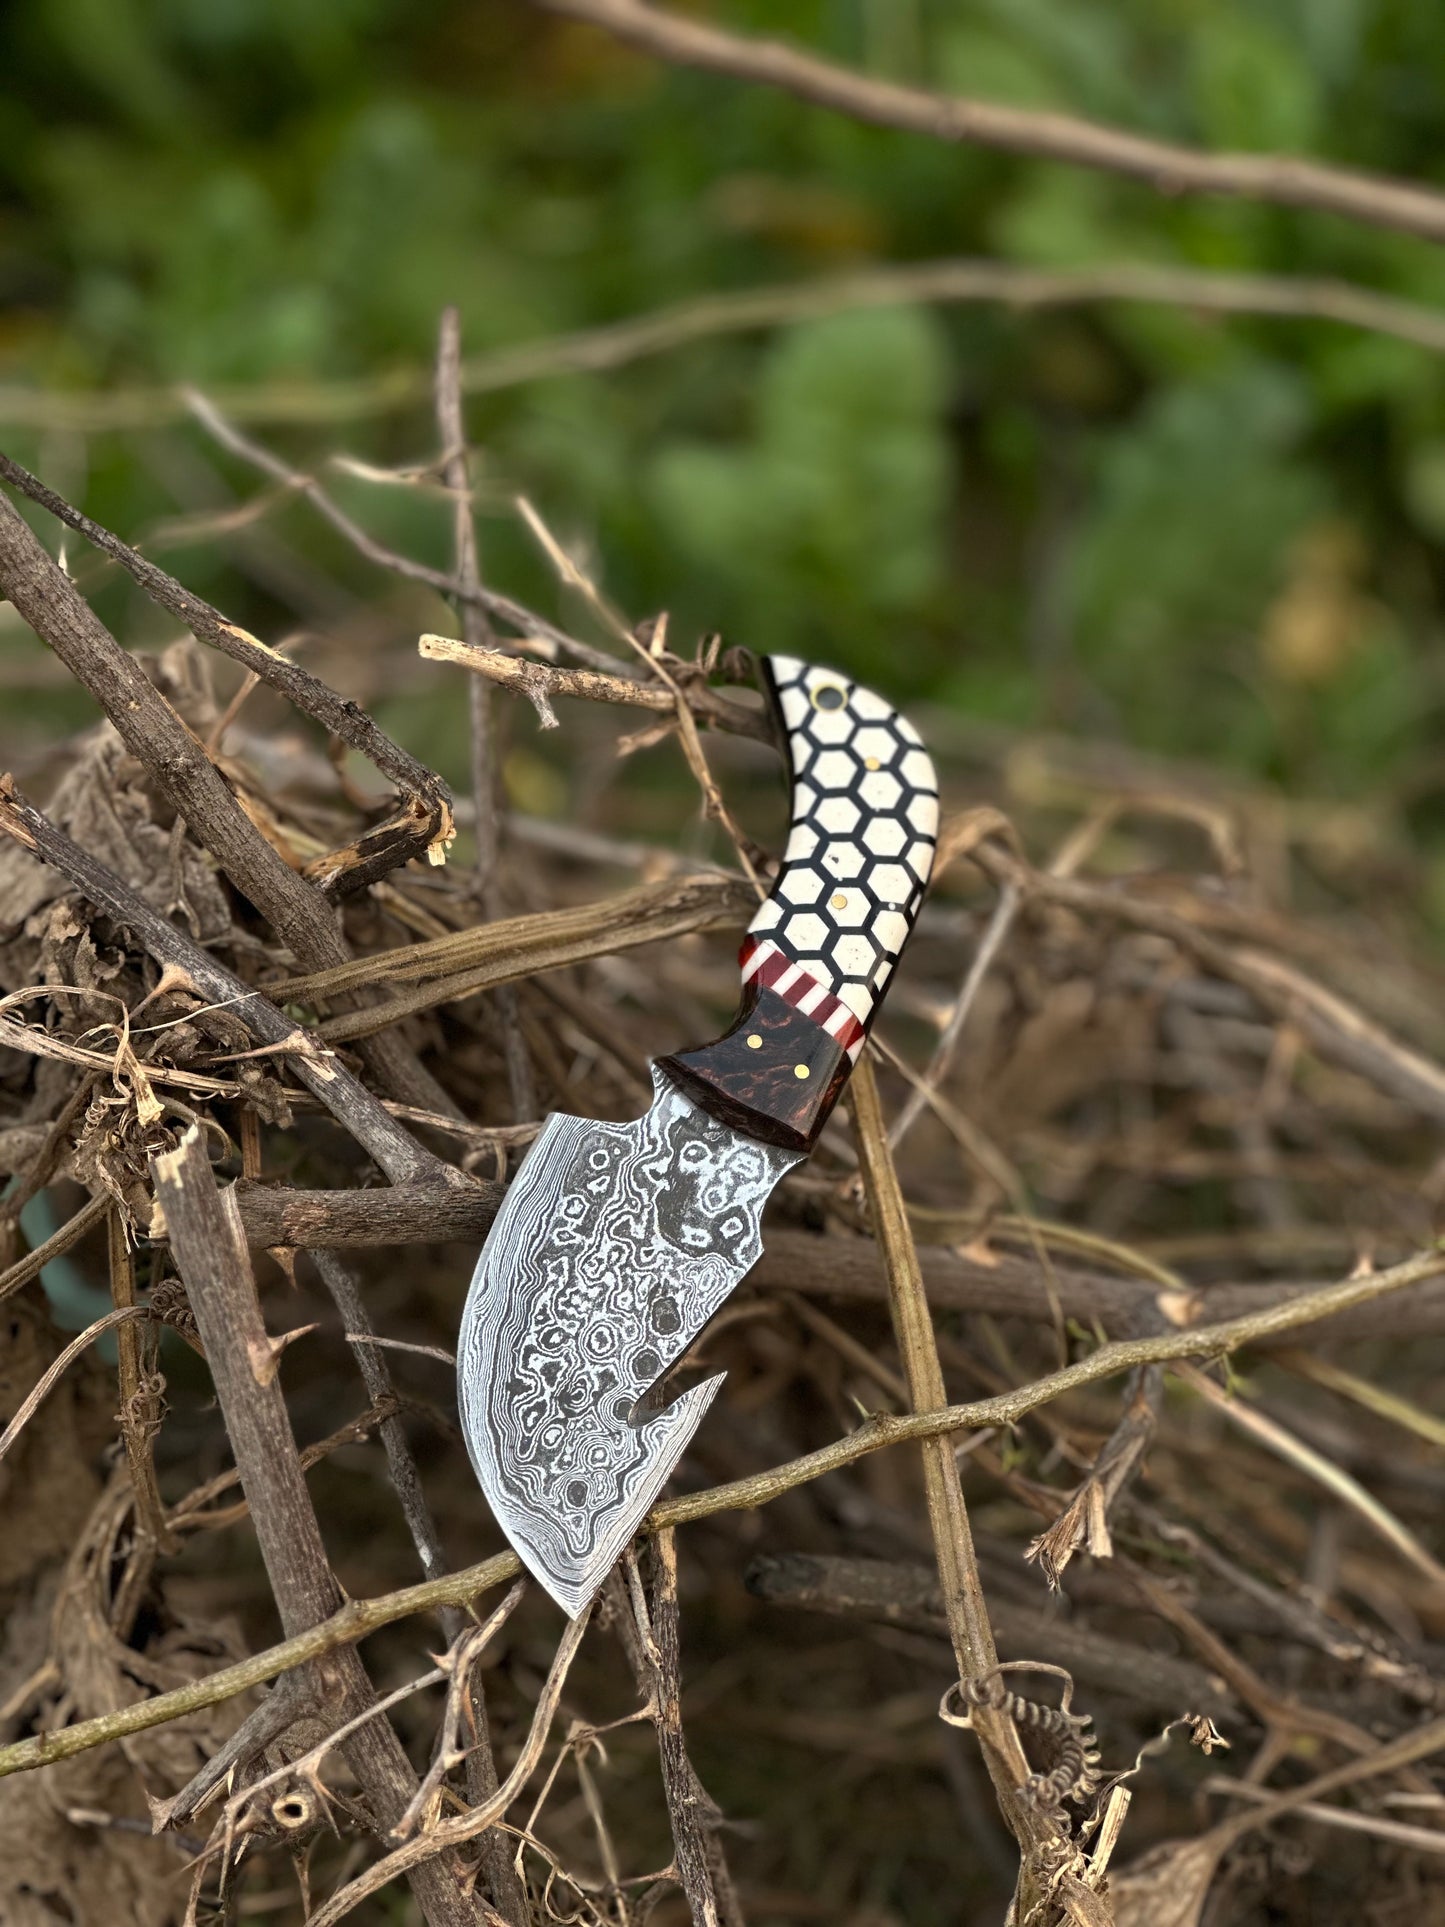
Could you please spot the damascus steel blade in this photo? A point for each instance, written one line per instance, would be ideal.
(615, 1245)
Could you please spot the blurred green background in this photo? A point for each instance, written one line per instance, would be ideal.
(1214, 537)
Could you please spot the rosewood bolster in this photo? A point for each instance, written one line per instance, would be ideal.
(776, 1074)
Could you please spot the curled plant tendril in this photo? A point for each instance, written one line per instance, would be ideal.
(1075, 1772)
(143, 1412)
(168, 1302)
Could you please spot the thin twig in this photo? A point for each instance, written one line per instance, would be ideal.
(139, 1404)
(535, 628)
(31, 1403)
(1333, 1478)
(478, 633)
(448, 1834)
(941, 1063)
(64, 1239)
(1395, 1832)
(401, 1465)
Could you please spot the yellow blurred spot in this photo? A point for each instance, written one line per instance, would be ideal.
(1320, 617)
(534, 787)
(808, 215)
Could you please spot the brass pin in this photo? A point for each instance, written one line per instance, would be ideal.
(801, 1070)
(755, 1042)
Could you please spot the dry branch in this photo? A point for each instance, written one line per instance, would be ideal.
(353, 1106)
(403, 1214)
(43, 594)
(887, 1593)
(139, 1414)
(847, 1269)
(1168, 168)
(360, 1617)
(426, 822)
(618, 344)
(965, 1608)
(540, 683)
(701, 1864)
(211, 1256)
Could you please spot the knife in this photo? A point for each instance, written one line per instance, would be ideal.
(616, 1243)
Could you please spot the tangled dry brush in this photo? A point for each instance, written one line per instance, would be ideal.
(1127, 1246)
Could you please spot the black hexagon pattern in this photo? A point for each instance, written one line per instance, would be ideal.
(864, 831)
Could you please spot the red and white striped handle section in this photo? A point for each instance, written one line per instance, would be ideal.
(858, 856)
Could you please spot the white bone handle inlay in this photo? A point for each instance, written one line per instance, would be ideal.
(859, 853)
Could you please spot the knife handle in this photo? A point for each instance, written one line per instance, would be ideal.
(822, 948)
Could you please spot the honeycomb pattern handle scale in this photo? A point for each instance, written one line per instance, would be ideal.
(821, 950)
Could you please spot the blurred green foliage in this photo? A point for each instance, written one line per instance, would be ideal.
(1209, 536)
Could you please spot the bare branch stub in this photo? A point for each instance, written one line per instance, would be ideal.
(542, 683)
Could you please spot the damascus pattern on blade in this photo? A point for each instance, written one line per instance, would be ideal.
(616, 1244)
